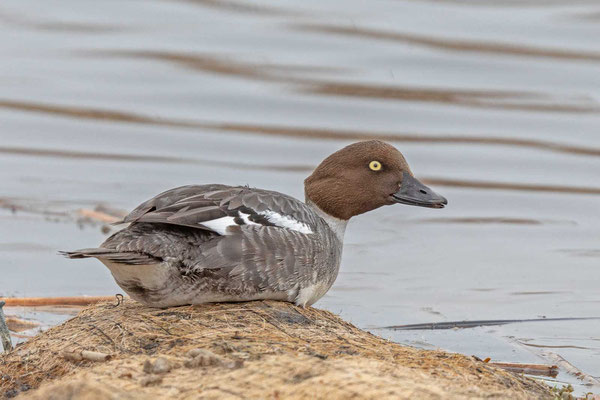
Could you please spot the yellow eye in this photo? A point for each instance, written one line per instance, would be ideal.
(375, 165)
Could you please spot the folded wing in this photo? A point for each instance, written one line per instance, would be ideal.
(220, 209)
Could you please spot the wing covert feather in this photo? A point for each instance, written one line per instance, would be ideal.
(216, 207)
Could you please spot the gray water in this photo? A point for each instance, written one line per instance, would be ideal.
(495, 104)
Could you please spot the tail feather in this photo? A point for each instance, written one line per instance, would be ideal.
(123, 257)
(85, 253)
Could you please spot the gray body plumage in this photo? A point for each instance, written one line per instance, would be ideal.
(209, 243)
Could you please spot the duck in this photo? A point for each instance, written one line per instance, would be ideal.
(217, 243)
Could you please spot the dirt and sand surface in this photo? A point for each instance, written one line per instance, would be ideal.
(266, 350)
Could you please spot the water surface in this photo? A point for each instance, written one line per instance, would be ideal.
(495, 104)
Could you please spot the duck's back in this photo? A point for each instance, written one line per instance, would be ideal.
(206, 243)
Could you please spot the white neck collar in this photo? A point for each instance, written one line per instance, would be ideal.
(338, 226)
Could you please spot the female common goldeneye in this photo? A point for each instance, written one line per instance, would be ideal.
(213, 243)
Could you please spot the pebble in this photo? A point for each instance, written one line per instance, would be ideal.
(201, 358)
(160, 366)
(205, 358)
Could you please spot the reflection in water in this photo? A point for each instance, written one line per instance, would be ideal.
(58, 26)
(591, 16)
(150, 158)
(511, 186)
(301, 168)
(535, 293)
(494, 99)
(292, 132)
(473, 98)
(494, 220)
(220, 65)
(461, 46)
(518, 4)
(199, 62)
(582, 252)
(91, 113)
(239, 7)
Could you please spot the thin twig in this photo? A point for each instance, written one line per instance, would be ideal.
(276, 326)
(86, 355)
(103, 334)
(477, 323)
(120, 300)
(55, 301)
(15, 324)
(530, 369)
(98, 215)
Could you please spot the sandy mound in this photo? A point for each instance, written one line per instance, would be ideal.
(243, 350)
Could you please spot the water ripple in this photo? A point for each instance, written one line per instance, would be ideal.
(478, 98)
(456, 183)
(476, 46)
(291, 132)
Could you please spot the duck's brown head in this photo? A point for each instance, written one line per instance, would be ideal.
(364, 176)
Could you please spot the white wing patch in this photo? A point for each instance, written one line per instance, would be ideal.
(246, 218)
(220, 225)
(285, 221)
